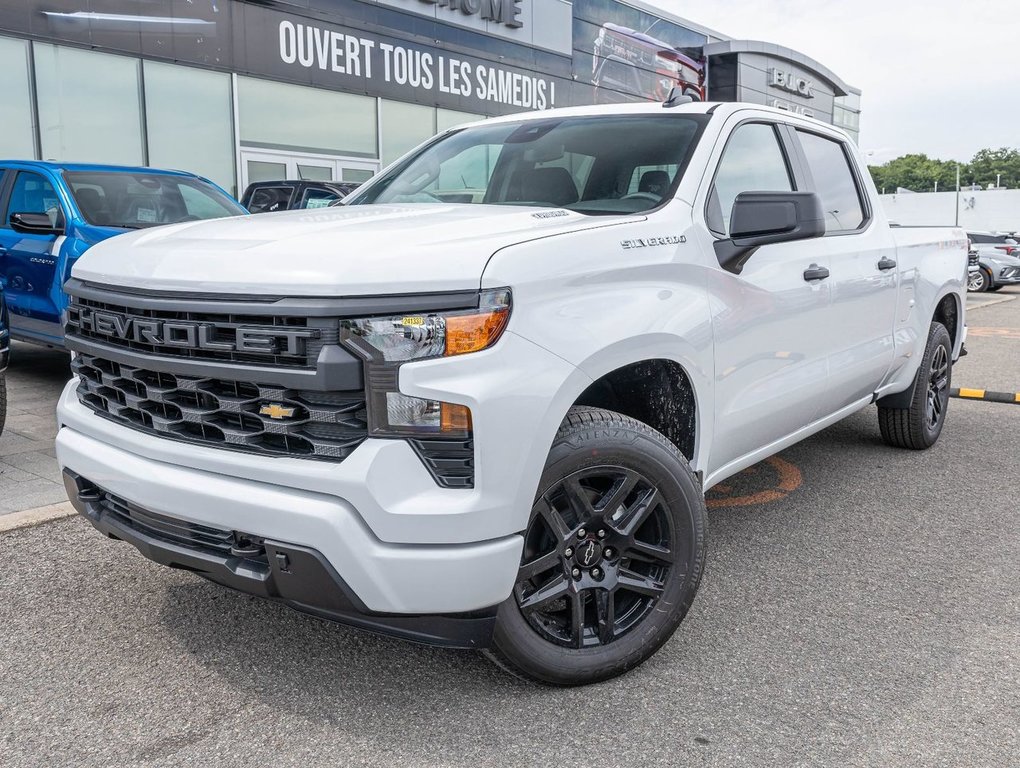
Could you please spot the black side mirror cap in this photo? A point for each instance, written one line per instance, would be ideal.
(762, 218)
(34, 224)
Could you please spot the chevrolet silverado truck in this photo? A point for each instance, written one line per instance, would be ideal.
(491, 424)
(51, 213)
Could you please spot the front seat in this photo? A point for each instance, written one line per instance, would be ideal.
(91, 204)
(545, 185)
(654, 183)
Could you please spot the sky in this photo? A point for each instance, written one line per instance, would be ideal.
(940, 78)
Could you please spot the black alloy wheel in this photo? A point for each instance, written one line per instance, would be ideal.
(938, 387)
(596, 556)
(918, 425)
(612, 555)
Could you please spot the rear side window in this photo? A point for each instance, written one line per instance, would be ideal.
(834, 182)
(753, 161)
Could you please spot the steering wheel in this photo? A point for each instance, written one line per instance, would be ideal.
(643, 196)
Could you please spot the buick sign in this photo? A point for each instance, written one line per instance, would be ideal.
(788, 81)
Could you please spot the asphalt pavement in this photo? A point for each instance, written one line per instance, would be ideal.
(860, 607)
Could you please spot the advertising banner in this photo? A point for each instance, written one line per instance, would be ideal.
(298, 49)
(619, 53)
(630, 55)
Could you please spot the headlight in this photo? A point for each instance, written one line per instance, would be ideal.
(415, 337)
(388, 342)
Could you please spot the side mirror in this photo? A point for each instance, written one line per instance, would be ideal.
(762, 218)
(35, 224)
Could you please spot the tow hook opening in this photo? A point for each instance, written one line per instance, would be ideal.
(246, 545)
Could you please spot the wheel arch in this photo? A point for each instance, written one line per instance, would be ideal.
(646, 380)
(948, 311)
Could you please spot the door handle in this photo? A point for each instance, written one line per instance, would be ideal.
(815, 272)
(885, 263)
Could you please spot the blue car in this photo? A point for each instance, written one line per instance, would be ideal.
(52, 213)
(5, 339)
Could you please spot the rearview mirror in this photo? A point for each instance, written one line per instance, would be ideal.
(35, 224)
(762, 218)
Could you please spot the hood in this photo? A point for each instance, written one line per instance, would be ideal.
(343, 251)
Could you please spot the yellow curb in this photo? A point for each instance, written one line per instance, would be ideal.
(29, 517)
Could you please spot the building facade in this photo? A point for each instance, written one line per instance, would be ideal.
(246, 90)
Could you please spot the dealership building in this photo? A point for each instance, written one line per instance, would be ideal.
(246, 90)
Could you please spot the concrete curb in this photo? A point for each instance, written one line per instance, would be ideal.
(26, 518)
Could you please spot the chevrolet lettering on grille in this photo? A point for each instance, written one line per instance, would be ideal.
(185, 334)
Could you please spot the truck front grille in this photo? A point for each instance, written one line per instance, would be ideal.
(241, 416)
(278, 341)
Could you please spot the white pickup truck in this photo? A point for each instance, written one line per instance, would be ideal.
(479, 405)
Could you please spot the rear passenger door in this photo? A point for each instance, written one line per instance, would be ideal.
(864, 273)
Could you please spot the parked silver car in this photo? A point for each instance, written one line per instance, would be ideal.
(998, 264)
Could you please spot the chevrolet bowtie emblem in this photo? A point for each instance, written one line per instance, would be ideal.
(277, 411)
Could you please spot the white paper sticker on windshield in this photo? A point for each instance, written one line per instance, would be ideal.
(146, 214)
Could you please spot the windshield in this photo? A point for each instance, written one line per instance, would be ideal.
(592, 165)
(136, 200)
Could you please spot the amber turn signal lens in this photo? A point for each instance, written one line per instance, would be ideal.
(471, 333)
(454, 418)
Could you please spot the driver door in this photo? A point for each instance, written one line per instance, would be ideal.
(29, 261)
(770, 321)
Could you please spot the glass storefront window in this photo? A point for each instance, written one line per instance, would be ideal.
(89, 106)
(404, 127)
(188, 119)
(448, 118)
(296, 117)
(16, 139)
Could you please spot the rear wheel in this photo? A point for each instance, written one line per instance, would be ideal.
(612, 557)
(918, 426)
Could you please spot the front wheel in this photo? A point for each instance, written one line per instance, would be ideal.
(918, 426)
(977, 281)
(612, 558)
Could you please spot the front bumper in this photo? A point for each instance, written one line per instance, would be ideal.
(387, 578)
(295, 575)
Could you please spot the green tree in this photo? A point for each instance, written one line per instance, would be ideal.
(917, 173)
(988, 164)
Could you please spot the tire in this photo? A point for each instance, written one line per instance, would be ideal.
(596, 543)
(978, 282)
(994, 288)
(3, 402)
(919, 426)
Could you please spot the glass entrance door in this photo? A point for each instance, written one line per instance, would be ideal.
(262, 165)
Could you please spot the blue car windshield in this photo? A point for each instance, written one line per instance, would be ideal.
(137, 200)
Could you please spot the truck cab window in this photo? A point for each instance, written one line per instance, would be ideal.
(752, 161)
(834, 182)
